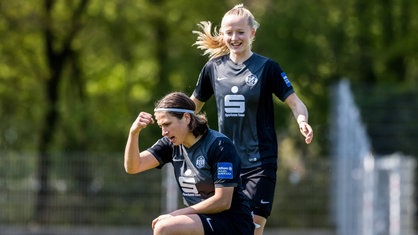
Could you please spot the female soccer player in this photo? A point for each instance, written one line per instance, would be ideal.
(243, 83)
(206, 167)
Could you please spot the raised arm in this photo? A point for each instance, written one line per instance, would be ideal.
(134, 160)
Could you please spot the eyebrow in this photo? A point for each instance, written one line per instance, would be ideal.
(164, 123)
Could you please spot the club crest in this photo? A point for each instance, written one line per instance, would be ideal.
(251, 80)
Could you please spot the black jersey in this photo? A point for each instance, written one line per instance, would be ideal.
(211, 162)
(244, 102)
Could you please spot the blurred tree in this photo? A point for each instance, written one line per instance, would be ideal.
(58, 40)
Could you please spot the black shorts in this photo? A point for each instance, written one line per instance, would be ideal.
(259, 184)
(227, 224)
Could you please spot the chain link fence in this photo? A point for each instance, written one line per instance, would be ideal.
(371, 195)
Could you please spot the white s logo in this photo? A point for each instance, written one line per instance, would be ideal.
(234, 104)
(188, 184)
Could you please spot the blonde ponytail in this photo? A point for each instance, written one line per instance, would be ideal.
(211, 44)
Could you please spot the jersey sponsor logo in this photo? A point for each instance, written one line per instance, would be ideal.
(251, 80)
(188, 172)
(234, 105)
(200, 162)
(225, 170)
(188, 185)
(286, 80)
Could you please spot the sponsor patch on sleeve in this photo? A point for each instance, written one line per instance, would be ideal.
(286, 80)
(225, 170)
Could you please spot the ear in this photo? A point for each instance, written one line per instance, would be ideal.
(253, 31)
(187, 117)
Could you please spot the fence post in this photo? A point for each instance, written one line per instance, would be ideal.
(169, 189)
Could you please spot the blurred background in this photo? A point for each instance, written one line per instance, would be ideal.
(75, 74)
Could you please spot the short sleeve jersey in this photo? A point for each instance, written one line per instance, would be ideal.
(210, 163)
(244, 100)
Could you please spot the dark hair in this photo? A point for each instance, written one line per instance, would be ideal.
(198, 123)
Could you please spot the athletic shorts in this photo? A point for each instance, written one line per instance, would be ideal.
(227, 224)
(259, 184)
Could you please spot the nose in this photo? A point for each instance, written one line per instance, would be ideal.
(164, 131)
(234, 36)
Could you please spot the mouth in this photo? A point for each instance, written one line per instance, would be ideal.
(173, 140)
(235, 44)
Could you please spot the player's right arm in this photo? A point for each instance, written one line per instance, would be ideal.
(199, 104)
(134, 160)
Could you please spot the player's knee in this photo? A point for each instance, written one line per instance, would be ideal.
(162, 228)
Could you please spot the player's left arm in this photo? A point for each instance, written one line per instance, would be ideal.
(220, 201)
(300, 112)
(224, 159)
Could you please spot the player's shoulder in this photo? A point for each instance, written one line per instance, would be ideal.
(216, 136)
(212, 134)
(264, 59)
(217, 60)
(223, 142)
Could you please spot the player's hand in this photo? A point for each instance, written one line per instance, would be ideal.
(159, 218)
(142, 121)
(306, 131)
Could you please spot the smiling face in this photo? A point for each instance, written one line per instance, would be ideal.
(175, 129)
(238, 36)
